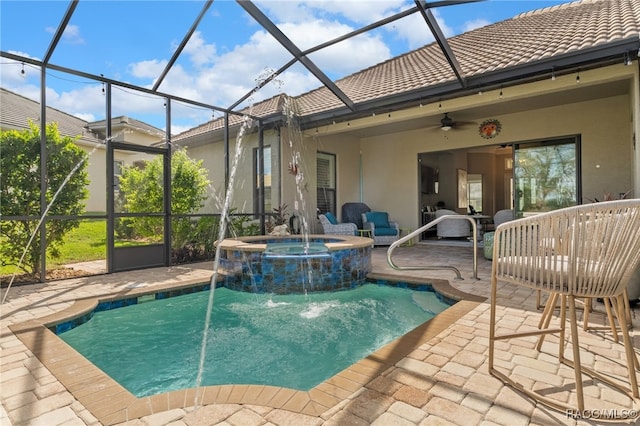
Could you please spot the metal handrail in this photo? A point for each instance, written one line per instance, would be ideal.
(429, 225)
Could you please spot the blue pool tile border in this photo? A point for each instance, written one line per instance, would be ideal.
(127, 301)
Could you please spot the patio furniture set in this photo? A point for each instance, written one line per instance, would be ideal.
(358, 219)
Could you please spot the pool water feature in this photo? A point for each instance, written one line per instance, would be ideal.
(292, 341)
(293, 264)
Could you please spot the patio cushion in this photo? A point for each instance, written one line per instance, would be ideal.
(379, 219)
(386, 231)
(332, 219)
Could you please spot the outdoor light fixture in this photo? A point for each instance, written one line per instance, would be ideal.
(446, 122)
(627, 59)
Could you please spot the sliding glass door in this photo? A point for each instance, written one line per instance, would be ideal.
(547, 175)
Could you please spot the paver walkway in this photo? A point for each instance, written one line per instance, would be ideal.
(443, 381)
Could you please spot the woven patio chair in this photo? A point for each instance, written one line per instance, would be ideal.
(452, 228)
(382, 229)
(330, 225)
(587, 251)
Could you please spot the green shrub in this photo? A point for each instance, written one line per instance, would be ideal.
(66, 179)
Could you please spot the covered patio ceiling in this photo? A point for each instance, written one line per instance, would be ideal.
(301, 56)
(507, 105)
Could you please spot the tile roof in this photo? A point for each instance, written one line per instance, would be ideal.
(261, 109)
(524, 39)
(122, 120)
(17, 110)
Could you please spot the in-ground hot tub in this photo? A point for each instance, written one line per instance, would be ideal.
(294, 264)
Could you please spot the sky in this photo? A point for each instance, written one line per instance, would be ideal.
(227, 56)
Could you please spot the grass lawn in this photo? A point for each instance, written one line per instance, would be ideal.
(86, 242)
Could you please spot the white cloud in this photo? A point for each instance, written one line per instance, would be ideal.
(474, 24)
(415, 30)
(71, 34)
(86, 117)
(147, 69)
(200, 52)
(223, 79)
(342, 58)
(357, 11)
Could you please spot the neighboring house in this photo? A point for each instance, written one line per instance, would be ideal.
(564, 92)
(17, 110)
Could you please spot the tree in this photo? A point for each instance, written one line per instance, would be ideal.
(20, 192)
(142, 189)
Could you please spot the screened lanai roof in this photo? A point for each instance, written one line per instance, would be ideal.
(559, 36)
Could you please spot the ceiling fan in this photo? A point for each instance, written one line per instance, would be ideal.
(447, 123)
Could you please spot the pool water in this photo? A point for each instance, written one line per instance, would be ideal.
(301, 248)
(293, 341)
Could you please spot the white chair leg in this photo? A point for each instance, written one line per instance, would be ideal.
(577, 366)
(632, 360)
(545, 318)
(492, 322)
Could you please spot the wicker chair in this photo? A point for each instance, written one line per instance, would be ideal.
(578, 252)
(452, 228)
(383, 230)
(337, 228)
(352, 212)
(502, 216)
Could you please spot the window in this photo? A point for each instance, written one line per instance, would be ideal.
(326, 177)
(266, 168)
(546, 175)
(474, 186)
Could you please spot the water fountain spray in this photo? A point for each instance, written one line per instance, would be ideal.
(247, 124)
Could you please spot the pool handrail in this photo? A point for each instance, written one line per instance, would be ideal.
(422, 229)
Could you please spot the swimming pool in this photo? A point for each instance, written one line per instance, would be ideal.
(112, 404)
(292, 341)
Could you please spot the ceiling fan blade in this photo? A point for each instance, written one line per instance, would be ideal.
(464, 123)
(447, 123)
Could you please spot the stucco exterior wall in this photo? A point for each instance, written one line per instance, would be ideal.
(97, 172)
(390, 173)
(383, 170)
(212, 156)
